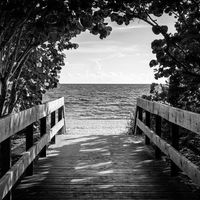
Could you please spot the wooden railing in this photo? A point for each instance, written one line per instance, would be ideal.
(176, 118)
(51, 120)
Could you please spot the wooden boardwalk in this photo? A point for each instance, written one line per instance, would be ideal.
(101, 167)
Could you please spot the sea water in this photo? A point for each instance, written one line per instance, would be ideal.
(98, 107)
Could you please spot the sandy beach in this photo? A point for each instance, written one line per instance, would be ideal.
(95, 127)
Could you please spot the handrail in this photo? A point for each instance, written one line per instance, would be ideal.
(177, 118)
(52, 120)
(183, 118)
(17, 122)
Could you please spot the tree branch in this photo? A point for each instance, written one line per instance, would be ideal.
(15, 100)
(22, 59)
(185, 68)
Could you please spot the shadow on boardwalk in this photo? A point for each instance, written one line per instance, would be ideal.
(101, 167)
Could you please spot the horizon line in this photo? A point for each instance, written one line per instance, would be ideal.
(111, 83)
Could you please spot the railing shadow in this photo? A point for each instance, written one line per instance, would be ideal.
(99, 164)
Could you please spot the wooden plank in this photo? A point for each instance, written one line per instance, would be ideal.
(147, 122)
(53, 122)
(60, 113)
(183, 118)
(140, 116)
(5, 156)
(54, 130)
(4, 128)
(135, 120)
(42, 111)
(55, 105)
(16, 122)
(53, 119)
(43, 131)
(128, 172)
(64, 129)
(13, 175)
(146, 105)
(158, 132)
(5, 164)
(181, 161)
(29, 144)
(49, 107)
(174, 129)
(163, 110)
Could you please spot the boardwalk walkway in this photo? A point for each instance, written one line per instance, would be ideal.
(101, 167)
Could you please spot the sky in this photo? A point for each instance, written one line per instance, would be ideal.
(122, 58)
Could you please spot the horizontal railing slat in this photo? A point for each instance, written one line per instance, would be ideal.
(183, 118)
(12, 176)
(56, 128)
(17, 122)
(181, 161)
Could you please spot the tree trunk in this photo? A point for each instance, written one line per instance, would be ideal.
(3, 94)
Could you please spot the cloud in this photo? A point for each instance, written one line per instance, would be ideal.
(120, 49)
(130, 27)
(75, 65)
(99, 42)
(123, 57)
(101, 76)
(96, 71)
(98, 65)
(115, 53)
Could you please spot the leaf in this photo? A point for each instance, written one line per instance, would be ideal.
(153, 63)
(86, 21)
(156, 30)
(164, 29)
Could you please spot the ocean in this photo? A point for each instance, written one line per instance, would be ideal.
(98, 107)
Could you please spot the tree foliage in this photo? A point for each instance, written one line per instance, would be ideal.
(177, 54)
(34, 34)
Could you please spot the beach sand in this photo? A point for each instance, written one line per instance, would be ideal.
(96, 127)
(75, 128)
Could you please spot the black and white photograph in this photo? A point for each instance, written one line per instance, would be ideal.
(99, 99)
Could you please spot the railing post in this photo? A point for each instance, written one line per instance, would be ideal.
(5, 161)
(60, 117)
(135, 120)
(175, 143)
(5, 156)
(29, 144)
(53, 122)
(158, 132)
(60, 113)
(147, 122)
(139, 131)
(65, 128)
(43, 130)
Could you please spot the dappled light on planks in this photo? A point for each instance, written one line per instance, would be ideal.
(101, 167)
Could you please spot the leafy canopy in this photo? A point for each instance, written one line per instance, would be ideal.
(34, 34)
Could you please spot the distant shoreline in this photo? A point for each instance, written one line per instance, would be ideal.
(104, 84)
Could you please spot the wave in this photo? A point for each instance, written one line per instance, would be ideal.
(104, 118)
(99, 102)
